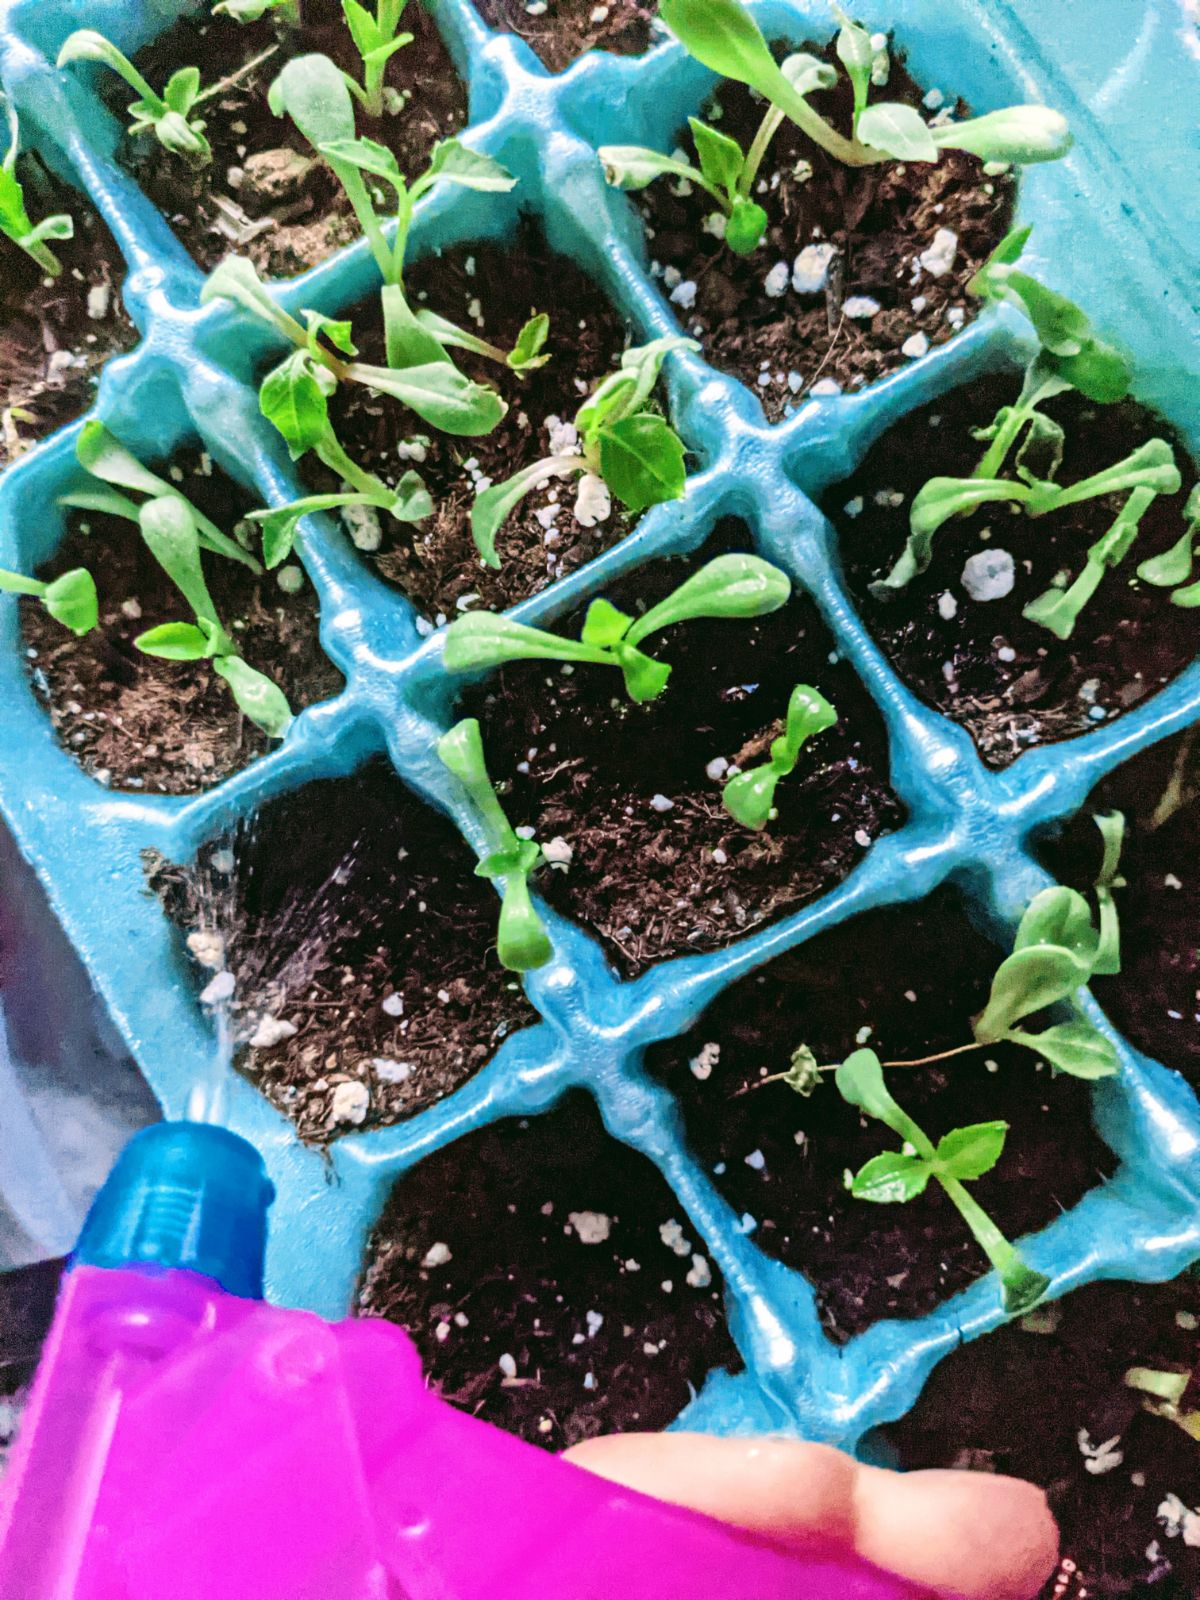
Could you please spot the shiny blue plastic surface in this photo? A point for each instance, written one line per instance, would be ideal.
(1116, 225)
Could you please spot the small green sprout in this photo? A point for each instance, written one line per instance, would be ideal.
(631, 448)
(70, 599)
(175, 531)
(1070, 356)
(1175, 565)
(255, 10)
(722, 35)
(168, 116)
(522, 942)
(749, 796)
(958, 1157)
(727, 586)
(14, 219)
(376, 38)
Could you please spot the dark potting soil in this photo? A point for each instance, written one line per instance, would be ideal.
(266, 195)
(567, 29)
(492, 290)
(1011, 682)
(1035, 1403)
(374, 942)
(556, 1309)
(659, 867)
(906, 981)
(879, 219)
(164, 726)
(56, 333)
(1155, 999)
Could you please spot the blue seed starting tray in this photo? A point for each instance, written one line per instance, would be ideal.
(1115, 225)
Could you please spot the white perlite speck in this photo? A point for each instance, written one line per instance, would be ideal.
(941, 254)
(947, 606)
(591, 1227)
(684, 294)
(507, 1363)
(437, 1255)
(776, 281)
(915, 346)
(1099, 1458)
(595, 1322)
(989, 574)
(825, 388)
(207, 947)
(392, 1005)
(559, 853)
(219, 990)
(811, 268)
(389, 1071)
(672, 1236)
(270, 1032)
(592, 501)
(290, 578)
(659, 802)
(1177, 1518)
(350, 1102)
(860, 307)
(717, 768)
(563, 436)
(701, 1274)
(362, 524)
(756, 1160)
(98, 301)
(703, 1063)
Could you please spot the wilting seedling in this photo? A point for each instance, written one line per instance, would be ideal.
(1070, 356)
(1175, 565)
(623, 446)
(722, 35)
(69, 599)
(15, 222)
(522, 942)
(727, 586)
(958, 1157)
(168, 116)
(750, 796)
(175, 531)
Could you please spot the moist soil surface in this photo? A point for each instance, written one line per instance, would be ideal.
(659, 868)
(352, 912)
(880, 221)
(1155, 999)
(56, 333)
(164, 726)
(566, 29)
(1030, 1403)
(265, 194)
(1010, 682)
(913, 976)
(556, 1309)
(492, 291)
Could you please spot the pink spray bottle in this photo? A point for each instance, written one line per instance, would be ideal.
(187, 1441)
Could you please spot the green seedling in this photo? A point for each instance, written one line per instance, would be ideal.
(376, 37)
(167, 116)
(1182, 788)
(727, 586)
(313, 93)
(70, 599)
(1058, 609)
(722, 35)
(958, 1158)
(749, 796)
(255, 10)
(631, 448)
(522, 942)
(15, 222)
(175, 532)
(1174, 566)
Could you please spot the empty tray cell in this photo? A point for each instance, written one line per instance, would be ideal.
(905, 982)
(561, 31)
(545, 1297)
(957, 632)
(136, 721)
(361, 942)
(491, 291)
(861, 269)
(648, 857)
(266, 193)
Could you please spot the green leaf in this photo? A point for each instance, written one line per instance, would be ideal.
(969, 1152)
(748, 796)
(364, 30)
(630, 166)
(170, 532)
(1058, 916)
(72, 601)
(107, 501)
(295, 402)
(859, 1081)
(339, 333)
(734, 585)
(183, 138)
(1041, 453)
(526, 353)
(14, 219)
(237, 279)
(891, 1178)
(645, 678)
(1150, 466)
(807, 74)
(261, 700)
(721, 158)
(410, 340)
(803, 1076)
(746, 226)
(605, 626)
(384, 52)
(1072, 1047)
(1023, 1287)
(313, 92)
(1175, 565)
(935, 503)
(808, 714)
(18, 583)
(1070, 348)
(1010, 249)
(368, 156)
(248, 10)
(522, 942)
(494, 505)
(857, 55)
(1020, 134)
(181, 89)
(413, 502)
(482, 639)
(439, 393)
(1027, 981)
(103, 455)
(1107, 961)
(641, 460)
(451, 161)
(175, 641)
(898, 130)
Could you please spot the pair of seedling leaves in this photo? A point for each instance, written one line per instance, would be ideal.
(15, 221)
(175, 531)
(1069, 356)
(1056, 952)
(736, 585)
(376, 36)
(722, 35)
